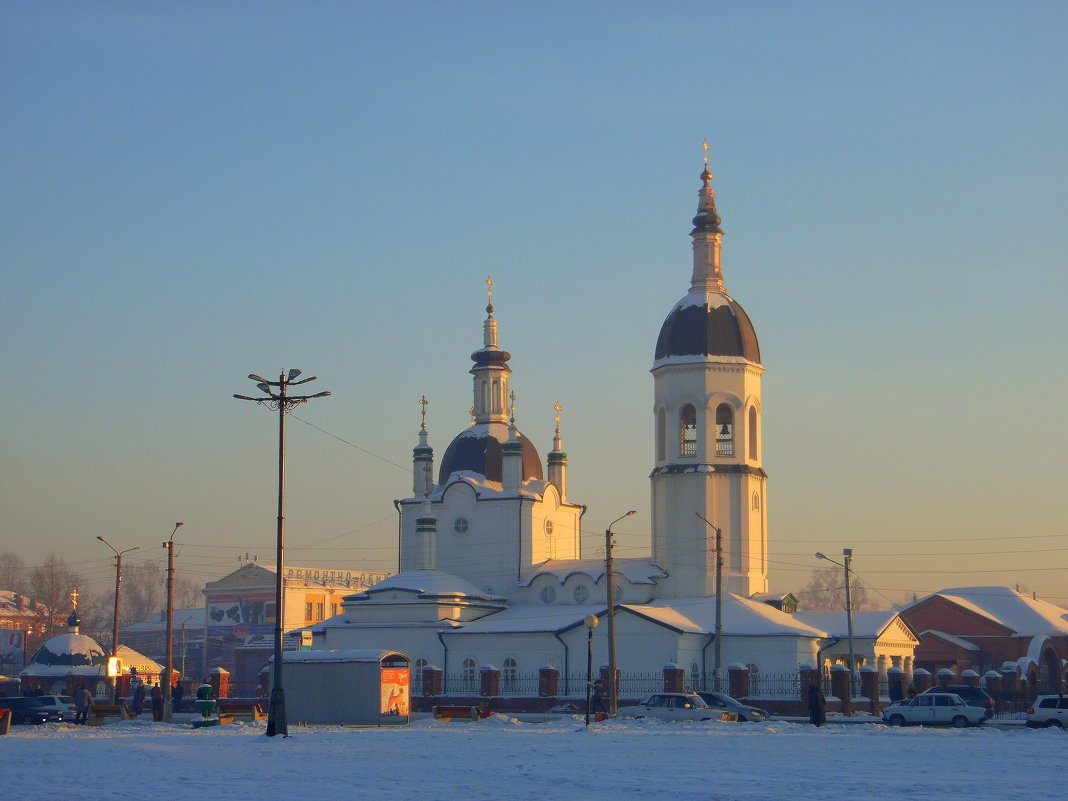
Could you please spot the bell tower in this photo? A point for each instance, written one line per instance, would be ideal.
(708, 435)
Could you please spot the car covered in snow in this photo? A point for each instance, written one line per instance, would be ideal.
(724, 703)
(932, 709)
(672, 707)
(1048, 711)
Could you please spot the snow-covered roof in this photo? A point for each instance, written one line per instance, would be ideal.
(636, 570)
(191, 617)
(528, 618)
(429, 584)
(67, 655)
(11, 601)
(953, 639)
(868, 624)
(1021, 613)
(135, 659)
(740, 616)
(353, 655)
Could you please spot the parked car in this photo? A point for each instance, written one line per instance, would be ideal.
(29, 710)
(973, 696)
(672, 707)
(930, 709)
(63, 704)
(724, 703)
(1047, 711)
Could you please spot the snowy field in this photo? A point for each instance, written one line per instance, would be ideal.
(499, 759)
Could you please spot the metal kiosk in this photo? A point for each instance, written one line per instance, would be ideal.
(358, 687)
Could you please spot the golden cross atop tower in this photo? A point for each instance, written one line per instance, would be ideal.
(74, 598)
(489, 294)
(422, 411)
(705, 146)
(557, 408)
(511, 407)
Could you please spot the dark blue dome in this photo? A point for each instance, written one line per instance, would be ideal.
(708, 324)
(478, 449)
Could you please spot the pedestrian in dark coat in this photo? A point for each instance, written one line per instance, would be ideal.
(598, 697)
(157, 702)
(82, 702)
(896, 693)
(816, 706)
(139, 699)
(176, 697)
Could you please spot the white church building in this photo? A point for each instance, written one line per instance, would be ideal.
(491, 570)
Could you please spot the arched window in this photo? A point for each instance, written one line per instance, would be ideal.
(756, 502)
(510, 675)
(469, 676)
(485, 397)
(417, 675)
(753, 433)
(661, 434)
(724, 430)
(688, 431)
(496, 396)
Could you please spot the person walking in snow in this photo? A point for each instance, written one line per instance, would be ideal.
(598, 697)
(817, 705)
(176, 698)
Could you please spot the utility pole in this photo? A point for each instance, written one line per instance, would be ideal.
(718, 639)
(117, 680)
(283, 403)
(166, 684)
(847, 553)
(613, 705)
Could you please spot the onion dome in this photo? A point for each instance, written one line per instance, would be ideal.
(479, 449)
(707, 322)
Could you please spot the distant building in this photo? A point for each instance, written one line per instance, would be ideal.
(881, 639)
(24, 625)
(991, 628)
(239, 614)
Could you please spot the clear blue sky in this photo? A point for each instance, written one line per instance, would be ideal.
(195, 191)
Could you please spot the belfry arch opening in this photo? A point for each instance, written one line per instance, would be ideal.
(724, 430)
(688, 430)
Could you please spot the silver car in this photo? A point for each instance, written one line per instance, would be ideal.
(929, 709)
(1048, 711)
(672, 707)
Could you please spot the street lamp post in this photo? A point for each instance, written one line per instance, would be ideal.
(590, 622)
(718, 649)
(847, 554)
(169, 545)
(118, 602)
(613, 704)
(281, 402)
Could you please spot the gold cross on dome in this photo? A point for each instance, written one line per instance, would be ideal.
(705, 146)
(74, 598)
(423, 403)
(489, 286)
(471, 412)
(557, 408)
(511, 406)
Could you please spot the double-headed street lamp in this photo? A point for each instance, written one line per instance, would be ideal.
(613, 705)
(118, 601)
(847, 554)
(282, 402)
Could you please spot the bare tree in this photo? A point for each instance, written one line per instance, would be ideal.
(826, 590)
(187, 593)
(12, 573)
(144, 591)
(50, 586)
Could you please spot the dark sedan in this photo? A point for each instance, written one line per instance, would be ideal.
(29, 710)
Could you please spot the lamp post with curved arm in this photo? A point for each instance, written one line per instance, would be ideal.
(282, 402)
(118, 601)
(613, 705)
(847, 554)
(166, 685)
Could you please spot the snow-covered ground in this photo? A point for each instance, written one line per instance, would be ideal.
(500, 759)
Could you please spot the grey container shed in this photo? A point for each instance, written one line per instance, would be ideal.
(358, 687)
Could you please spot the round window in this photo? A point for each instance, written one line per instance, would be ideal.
(581, 594)
(549, 528)
(548, 595)
(460, 526)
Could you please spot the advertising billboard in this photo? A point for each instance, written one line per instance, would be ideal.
(395, 688)
(241, 614)
(12, 651)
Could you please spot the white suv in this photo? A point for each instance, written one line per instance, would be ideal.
(1048, 710)
(934, 708)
